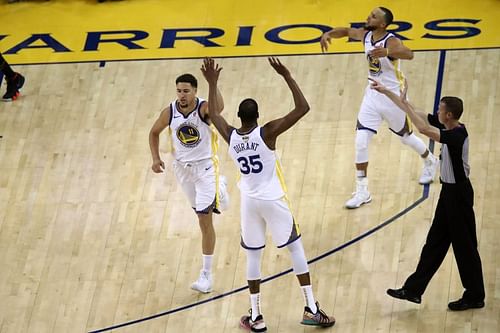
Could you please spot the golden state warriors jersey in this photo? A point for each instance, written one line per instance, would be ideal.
(193, 139)
(385, 70)
(261, 176)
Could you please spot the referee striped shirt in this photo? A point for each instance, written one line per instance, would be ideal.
(454, 152)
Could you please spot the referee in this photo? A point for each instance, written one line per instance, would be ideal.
(454, 221)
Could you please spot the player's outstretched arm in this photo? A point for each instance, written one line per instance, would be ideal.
(211, 72)
(275, 127)
(418, 120)
(340, 32)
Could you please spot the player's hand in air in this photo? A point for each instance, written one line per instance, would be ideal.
(158, 166)
(325, 41)
(210, 70)
(279, 67)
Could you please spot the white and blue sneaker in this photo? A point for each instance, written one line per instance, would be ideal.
(204, 282)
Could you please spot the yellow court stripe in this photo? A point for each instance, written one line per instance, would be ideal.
(69, 31)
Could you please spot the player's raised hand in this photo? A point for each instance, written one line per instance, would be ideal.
(210, 70)
(279, 67)
(325, 41)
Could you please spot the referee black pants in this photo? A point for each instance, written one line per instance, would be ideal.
(454, 223)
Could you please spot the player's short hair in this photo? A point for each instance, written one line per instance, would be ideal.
(248, 110)
(453, 105)
(187, 78)
(388, 17)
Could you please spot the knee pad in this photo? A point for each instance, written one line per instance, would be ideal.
(253, 264)
(299, 261)
(363, 138)
(414, 142)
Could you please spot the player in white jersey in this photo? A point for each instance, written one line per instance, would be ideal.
(383, 52)
(263, 194)
(195, 163)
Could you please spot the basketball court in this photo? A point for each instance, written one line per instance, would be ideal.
(91, 240)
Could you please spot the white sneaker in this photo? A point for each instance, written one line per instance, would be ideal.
(204, 282)
(361, 196)
(358, 198)
(429, 171)
(223, 194)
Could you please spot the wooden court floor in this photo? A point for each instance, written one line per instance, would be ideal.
(90, 237)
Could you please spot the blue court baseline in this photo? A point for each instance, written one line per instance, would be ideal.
(425, 195)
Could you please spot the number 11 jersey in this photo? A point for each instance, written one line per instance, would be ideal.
(260, 171)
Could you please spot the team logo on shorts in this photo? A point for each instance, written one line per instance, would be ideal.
(374, 65)
(188, 135)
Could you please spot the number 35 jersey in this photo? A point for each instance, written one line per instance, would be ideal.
(260, 172)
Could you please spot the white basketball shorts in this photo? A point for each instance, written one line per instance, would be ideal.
(257, 214)
(377, 107)
(198, 181)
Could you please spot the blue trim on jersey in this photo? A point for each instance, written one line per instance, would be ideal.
(195, 108)
(208, 210)
(381, 39)
(201, 116)
(264, 141)
(262, 137)
(290, 241)
(385, 45)
(171, 114)
(385, 42)
(366, 34)
(204, 211)
(230, 134)
(366, 128)
(398, 134)
(246, 133)
(246, 247)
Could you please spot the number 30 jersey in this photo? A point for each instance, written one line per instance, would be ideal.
(260, 172)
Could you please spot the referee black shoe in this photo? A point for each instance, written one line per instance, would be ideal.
(463, 304)
(402, 293)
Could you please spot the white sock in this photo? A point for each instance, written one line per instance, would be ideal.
(360, 173)
(362, 184)
(309, 298)
(207, 262)
(255, 302)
